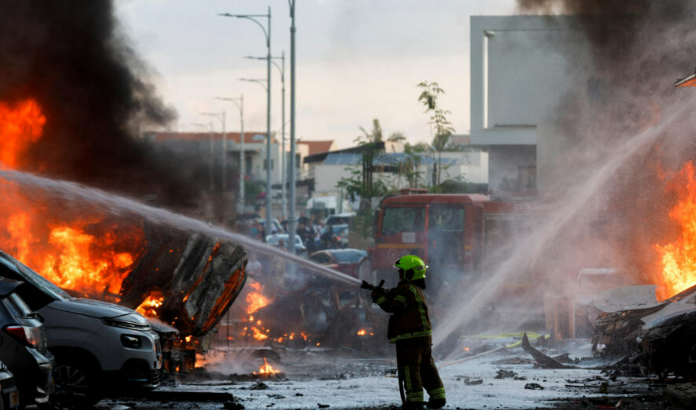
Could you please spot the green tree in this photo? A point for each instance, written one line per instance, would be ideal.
(376, 134)
(439, 124)
(396, 137)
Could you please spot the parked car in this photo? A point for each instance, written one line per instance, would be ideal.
(275, 224)
(668, 343)
(96, 344)
(274, 240)
(8, 389)
(339, 236)
(352, 262)
(340, 219)
(23, 347)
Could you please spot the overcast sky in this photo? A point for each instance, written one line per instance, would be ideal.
(356, 60)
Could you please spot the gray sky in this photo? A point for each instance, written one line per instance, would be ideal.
(356, 60)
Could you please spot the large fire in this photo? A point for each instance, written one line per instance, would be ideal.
(678, 259)
(75, 249)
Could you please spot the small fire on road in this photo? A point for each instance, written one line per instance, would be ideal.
(267, 369)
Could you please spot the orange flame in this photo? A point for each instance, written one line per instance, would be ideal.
(255, 299)
(77, 253)
(362, 332)
(21, 125)
(678, 259)
(267, 369)
(151, 304)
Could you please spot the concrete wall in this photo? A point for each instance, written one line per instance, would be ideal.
(519, 74)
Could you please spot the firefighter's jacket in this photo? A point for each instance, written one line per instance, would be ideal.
(409, 319)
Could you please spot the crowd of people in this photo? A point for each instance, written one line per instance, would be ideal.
(314, 233)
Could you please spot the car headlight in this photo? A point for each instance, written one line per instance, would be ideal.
(130, 322)
(131, 341)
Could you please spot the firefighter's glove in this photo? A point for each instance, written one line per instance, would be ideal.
(376, 294)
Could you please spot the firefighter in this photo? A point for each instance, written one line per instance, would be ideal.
(410, 329)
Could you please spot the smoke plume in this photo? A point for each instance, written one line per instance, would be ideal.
(637, 50)
(72, 58)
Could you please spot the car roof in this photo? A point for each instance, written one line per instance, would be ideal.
(345, 250)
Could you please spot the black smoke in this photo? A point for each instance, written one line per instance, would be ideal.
(72, 57)
(632, 54)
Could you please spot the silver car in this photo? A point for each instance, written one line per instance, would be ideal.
(97, 345)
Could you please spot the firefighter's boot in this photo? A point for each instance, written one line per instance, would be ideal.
(413, 405)
(436, 403)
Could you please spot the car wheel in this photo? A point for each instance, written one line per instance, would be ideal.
(74, 385)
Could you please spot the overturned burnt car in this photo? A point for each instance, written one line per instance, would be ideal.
(659, 335)
(668, 344)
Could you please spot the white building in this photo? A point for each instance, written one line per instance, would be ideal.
(519, 74)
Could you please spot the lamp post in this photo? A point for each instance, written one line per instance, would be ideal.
(210, 137)
(240, 103)
(283, 164)
(292, 219)
(267, 33)
(221, 117)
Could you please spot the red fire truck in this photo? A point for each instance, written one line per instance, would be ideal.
(458, 235)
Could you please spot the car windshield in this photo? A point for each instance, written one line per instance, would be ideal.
(349, 256)
(336, 229)
(34, 278)
(402, 219)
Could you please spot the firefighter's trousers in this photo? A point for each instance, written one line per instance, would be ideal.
(416, 364)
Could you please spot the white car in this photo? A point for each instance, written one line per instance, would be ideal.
(96, 344)
(274, 240)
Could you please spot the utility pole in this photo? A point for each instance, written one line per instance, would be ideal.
(292, 219)
(240, 104)
(283, 158)
(267, 33)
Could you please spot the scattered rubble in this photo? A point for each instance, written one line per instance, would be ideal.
(533, 386)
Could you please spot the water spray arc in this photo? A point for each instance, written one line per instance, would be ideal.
(123, 207)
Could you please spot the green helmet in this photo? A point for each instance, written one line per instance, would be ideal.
(413, 266)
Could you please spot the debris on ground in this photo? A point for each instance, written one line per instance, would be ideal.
(470, 381)
(533, 386)
(505, 374)
(259, 386)
(542, 360)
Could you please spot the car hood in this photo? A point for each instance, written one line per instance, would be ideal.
(627, 298)
(90, 307)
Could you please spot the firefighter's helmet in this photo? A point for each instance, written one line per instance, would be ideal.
(413, 267)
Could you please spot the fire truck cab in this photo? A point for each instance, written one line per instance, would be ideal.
(443, 229)
(460, 236)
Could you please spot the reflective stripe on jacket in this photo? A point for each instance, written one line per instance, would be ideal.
(409, 317)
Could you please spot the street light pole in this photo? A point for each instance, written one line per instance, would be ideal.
(267, 33)
(292, 219)
(240, 104)
(283, 162)
(220, 116)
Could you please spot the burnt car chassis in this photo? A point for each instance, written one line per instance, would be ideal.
(661, 338)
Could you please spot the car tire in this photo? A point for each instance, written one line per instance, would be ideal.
(75, 384)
